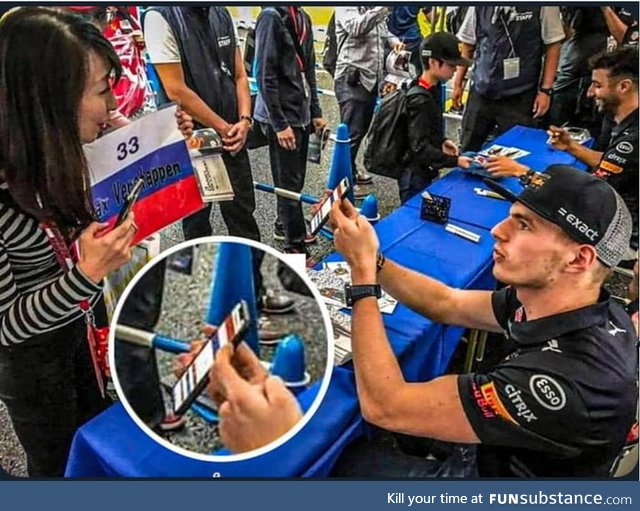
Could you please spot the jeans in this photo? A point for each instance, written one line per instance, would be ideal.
(238, 213)
(389, 456)
(288, 169)
(482, 115)
(50, 390)
(357, 105)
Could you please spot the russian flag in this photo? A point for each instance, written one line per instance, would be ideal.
(151, 148)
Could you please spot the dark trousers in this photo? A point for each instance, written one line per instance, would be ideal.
(288, 169)
(389, 456)
(50, 390)
(482, 115)
(411, 183)
(136, 366)
(357, 105)
(238, 213)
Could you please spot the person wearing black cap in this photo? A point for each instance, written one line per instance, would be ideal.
(614, 87)
(428, 149)
(563, 400)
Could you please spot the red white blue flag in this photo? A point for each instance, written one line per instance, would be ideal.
(151, 148)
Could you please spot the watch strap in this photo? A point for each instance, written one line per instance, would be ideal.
(355, 293)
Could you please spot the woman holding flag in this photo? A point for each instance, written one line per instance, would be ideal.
(56, 78)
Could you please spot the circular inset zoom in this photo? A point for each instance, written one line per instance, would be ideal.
(215, 345)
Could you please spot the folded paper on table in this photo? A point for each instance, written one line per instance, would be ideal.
(153, 148)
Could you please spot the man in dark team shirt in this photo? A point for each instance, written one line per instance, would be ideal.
(614, 86)
(562, 402)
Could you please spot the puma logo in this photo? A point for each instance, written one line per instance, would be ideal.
(615, 329)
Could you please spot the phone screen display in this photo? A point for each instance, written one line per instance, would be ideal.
(196, 376)
(322, 215)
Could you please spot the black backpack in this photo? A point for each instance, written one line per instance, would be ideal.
(330, 50)
(387, 138)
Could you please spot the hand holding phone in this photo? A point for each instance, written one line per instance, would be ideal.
(196, 376)
(322, 215)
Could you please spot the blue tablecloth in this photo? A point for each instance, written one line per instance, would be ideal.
(112, 445)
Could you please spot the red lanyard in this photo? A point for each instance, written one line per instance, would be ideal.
(293, 12)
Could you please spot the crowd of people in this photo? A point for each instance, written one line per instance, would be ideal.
(564, 398)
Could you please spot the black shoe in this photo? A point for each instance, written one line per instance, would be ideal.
(272, 302)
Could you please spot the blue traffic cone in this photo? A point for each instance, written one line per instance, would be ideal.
(232, 281)
(289, 362)
(369, 208)
(341, 161)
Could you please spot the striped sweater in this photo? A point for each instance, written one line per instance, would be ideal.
(36, 296)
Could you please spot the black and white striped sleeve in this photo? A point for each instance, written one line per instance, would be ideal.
(25, 315)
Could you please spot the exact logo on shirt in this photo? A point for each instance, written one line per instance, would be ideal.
(547, 392)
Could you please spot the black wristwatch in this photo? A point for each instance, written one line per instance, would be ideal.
(354, 293)
(544, 90)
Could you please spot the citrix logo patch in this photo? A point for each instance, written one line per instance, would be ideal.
(581, 226)
(523, 410)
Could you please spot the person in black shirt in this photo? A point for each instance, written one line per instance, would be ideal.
(562, 402)
(429, 150)
(288, 110)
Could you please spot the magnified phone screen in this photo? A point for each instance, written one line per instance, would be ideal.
(196, 376)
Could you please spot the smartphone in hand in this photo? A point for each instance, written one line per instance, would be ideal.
(196, 376)
(129, 201)
(321, 217)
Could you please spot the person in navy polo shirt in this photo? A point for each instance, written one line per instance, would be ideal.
(517, 49)
(563, 400)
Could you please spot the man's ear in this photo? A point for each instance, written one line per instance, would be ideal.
(584, 257)
(625, 85)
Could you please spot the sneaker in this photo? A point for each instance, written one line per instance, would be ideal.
(272, 302)
(278, 235)
(172, 422)
(269, 332)
(363, 178)
(359, 192)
